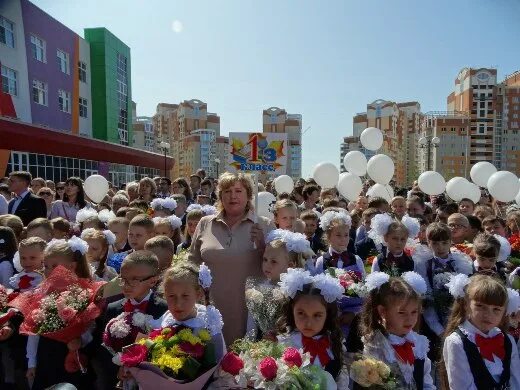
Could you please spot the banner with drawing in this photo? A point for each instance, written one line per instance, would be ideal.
(258, 152)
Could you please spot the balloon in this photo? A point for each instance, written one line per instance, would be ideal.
(371, 138)
(481, 172)
(349, 185)
(503, 186)
(381, 168)
(355, 162)
(381, 191)
(517, 198)
(432, 183)
(326, 174)
(96, 188)
(283, 183)
(265, 201)
(473, 192)
(457, 188)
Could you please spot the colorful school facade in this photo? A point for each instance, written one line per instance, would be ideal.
(65, 101)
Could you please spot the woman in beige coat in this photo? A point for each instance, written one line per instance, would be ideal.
(231, 243)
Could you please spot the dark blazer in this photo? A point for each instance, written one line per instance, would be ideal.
(106, 371)
(30, 208)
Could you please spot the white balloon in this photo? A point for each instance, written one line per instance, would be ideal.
(481, 172)
(349, 185)
(265, 201)
(355, 162)
(381, 191)
(432, 183)
(457, 188)
(517, 198)
(473, 192)
(283, 183)
(96, 188)
(381, 168)
(326, 174)
(371, 138)
(503, 186)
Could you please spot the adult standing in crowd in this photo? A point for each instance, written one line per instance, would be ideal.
(132, 189)
(164, 188)
(231, 241)
(36, 184)
(25, 205)
(48, 196)
(180, 186)
(147, 189)
(73, 200)
(60, 190)
(195, 181)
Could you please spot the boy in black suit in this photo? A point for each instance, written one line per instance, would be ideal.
(139, 276)
(25, 205)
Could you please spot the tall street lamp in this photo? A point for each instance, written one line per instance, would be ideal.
(427, 143)
(217, 163)
(165, 146)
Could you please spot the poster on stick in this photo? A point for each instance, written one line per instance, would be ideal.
(258, 153)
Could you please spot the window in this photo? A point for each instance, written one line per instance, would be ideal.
(83, 104)
(38, 49)
(122, 98)
(64, 101)
(482, 113)
(516, 99)
(39, 90)
(482, 104)
(6, 32)
(9, 83)
(82, 71)
(63, 61)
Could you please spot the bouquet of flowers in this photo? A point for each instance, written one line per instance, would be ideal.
(514, 258)
(440, 297)
(372, 374)
(268, 365)
(355, 290)
(465, 248)
(171, 356)
(5, 312)
(264, 302)
(61, 308)
(123, 330)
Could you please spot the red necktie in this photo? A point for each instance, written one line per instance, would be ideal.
(25, 282)
(490, 346)
(129, 307)
(317, 348)
(405, 352)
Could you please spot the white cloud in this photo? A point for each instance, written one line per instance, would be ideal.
(177, 26)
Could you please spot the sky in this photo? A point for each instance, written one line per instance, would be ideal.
(325, 60)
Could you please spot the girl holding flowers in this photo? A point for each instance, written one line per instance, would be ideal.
(284, 249)
(99, 243)
(46, 357)
(389, 315)
(184, 286)
(309, 319)
(478, 353)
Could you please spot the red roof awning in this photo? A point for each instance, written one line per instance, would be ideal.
(26, 137)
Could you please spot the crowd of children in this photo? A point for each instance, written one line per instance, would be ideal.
(439, 300)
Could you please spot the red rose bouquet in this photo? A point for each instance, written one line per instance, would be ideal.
(5, 312)
(61, 309)
(268, 365)
(173, 356)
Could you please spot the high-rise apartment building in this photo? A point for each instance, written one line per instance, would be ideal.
(400, 124)
(193, 134)
(277, 120)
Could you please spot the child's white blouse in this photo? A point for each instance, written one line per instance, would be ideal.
(380, 347)
(457, 366)
(14, 281)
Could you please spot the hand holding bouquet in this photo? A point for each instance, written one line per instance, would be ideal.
(171, 356)
(6, 312)
(61, 308)
(123, 330)
(372, 374)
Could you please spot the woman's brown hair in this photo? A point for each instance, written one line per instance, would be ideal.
(93, 234)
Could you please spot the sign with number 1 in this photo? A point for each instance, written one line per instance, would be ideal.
(251, 152)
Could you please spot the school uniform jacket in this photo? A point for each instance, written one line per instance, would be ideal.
(468, 369)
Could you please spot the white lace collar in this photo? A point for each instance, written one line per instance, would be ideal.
(207, 317)
(14, 281)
